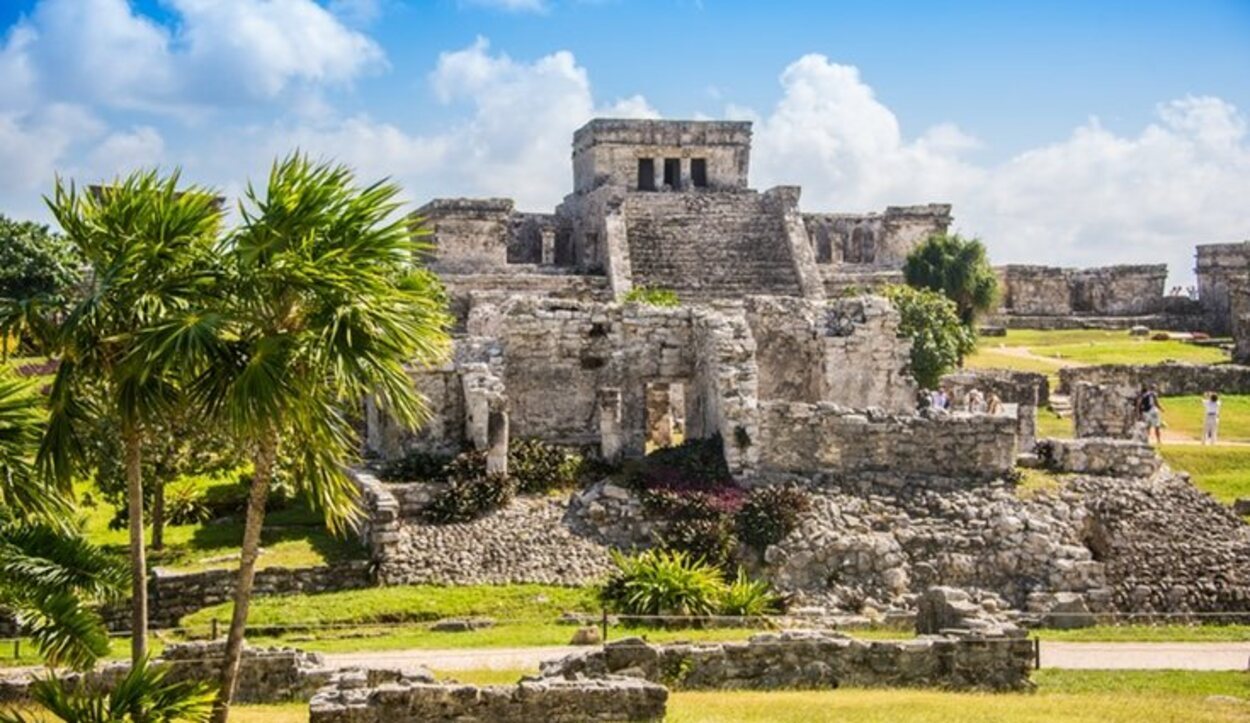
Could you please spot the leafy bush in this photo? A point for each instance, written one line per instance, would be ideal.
(770, 513)
(415, 466)
(696, 464)
(662, 582)
(749, 598)
(467, 499)
(710, 539)
(540, 467)
(939, 340)
(652, 296)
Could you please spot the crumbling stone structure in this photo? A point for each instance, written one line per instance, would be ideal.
(1172, 378)
(372, 696)
(1218, 267)
(1112, 297)
(1106, 410)
(802, 659)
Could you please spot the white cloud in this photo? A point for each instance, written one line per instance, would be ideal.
(1092, 198)
(514, 141)
(218, 52)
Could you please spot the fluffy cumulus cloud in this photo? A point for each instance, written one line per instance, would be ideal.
(515, 6)
(513, 137)
(1094, 197)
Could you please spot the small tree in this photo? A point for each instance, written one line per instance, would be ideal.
(939, 340)
(956, 268)
(38, 270)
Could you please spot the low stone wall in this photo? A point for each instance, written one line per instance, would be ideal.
(800, 439)
(359, 696)
(1173, 378)
(1169, 322)
(801, 659)
(266, 675)
(174, 595)
(1103, 457)
(1026, 390)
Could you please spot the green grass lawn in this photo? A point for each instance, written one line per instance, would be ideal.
(1084, 696)
(1050, 424)
(1051, 350)
(1185, 415)
(1221, 471)
(293, 537)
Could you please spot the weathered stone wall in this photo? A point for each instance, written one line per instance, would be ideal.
(266, 675)
(1239, 311)
(606, 152)
(871, 547)
(1104, 291)
(468, 234)
(797, 438)
(1106, 410)
(846, 351)
(801, 659)
(1215, 266)
(880, 240)
(171, 596)
(712, 245)
(1025, 391)
(360, 696)
(1100, 456)
(1173, 378)
(464, 290)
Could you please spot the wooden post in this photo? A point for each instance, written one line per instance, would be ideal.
(603, 623)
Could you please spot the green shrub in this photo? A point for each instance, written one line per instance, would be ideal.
(662, 582)
(709, 539)
(652, 296)
(696, 464)
(770, 513)
(939, 340)
(463, 500)
(415, 466)
(749, 598)
(185, 503)
(539, 467)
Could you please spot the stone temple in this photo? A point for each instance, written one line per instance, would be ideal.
(779, 350)
(766, 335)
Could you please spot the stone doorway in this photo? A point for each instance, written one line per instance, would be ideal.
(666, 415)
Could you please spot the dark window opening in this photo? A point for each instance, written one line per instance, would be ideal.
(824, 245)
(698, 172)
(862, 247)
(646, 174)
(672, 173)
(564, 248)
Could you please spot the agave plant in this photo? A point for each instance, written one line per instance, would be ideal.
(663, 582)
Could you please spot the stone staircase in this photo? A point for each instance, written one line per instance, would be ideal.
(709, 246)
(1061, 405)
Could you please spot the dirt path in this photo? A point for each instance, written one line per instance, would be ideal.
(1024, 352)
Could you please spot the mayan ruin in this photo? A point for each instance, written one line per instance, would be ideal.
(501, 361)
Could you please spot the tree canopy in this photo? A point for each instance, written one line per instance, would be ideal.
(939, 340)
(957, 268)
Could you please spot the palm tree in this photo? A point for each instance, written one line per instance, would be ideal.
(49, 577)
(324, 306)
(148, 247)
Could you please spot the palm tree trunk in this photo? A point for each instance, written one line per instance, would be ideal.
(266, 454)
(158, 516)
(138, 562)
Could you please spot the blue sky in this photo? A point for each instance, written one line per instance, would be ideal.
(1070, 133)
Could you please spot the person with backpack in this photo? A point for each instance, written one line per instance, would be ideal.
(1150, 411)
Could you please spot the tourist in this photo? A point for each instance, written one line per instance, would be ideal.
(1150, 411)
(938, 399)
(976, 401)
(1211, 425)
(993, 405)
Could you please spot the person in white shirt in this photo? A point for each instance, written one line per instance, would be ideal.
(1211, 426)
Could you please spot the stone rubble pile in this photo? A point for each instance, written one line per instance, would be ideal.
(523, 542)
(366, 696)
